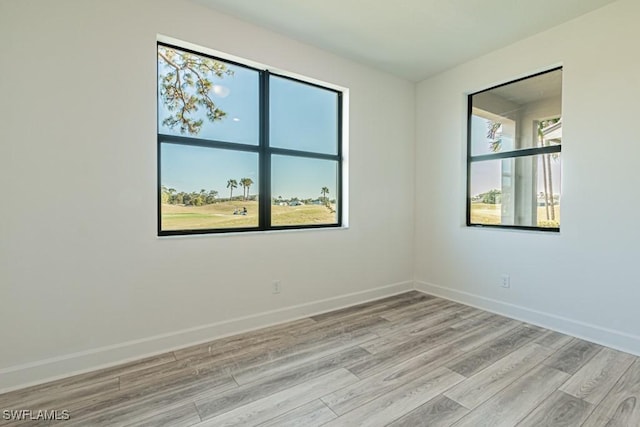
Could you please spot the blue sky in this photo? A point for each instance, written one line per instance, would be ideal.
(302, 117)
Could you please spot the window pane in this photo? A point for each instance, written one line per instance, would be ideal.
(206, 98)
(519, 115)
(522, 191)
(208, 188)
(304, 191)
(302, 117)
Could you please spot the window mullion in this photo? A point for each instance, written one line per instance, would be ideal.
(340, 159)
(264, 198)
(550, 149)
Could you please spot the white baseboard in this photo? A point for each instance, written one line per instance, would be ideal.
(608, 337)
(25, 375)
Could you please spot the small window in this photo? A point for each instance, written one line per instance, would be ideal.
(241, 148)
(514, 141)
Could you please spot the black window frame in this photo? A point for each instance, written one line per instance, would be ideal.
(263, 150)
(524, 152)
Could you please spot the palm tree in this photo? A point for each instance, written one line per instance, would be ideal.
(246, 183)
(249, 183)
(325, 191)
(231, 184)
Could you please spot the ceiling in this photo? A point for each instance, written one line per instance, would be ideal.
(532, 89)
(413, 39)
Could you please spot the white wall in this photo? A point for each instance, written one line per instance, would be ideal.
(84, 279)
(583, 280)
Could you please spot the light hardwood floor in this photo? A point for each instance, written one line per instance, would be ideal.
(406, 360)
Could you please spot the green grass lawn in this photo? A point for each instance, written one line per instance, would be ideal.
(297, 215)
(484, 213)
(220, 215)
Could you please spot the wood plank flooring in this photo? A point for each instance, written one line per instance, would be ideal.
(406, 360)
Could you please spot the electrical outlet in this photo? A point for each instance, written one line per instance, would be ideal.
(275, 287)
(505, 281)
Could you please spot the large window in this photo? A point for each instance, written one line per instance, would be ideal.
(243, 149)
(514, 135)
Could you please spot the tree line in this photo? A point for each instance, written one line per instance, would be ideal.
(205, 197)
(491, 197)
